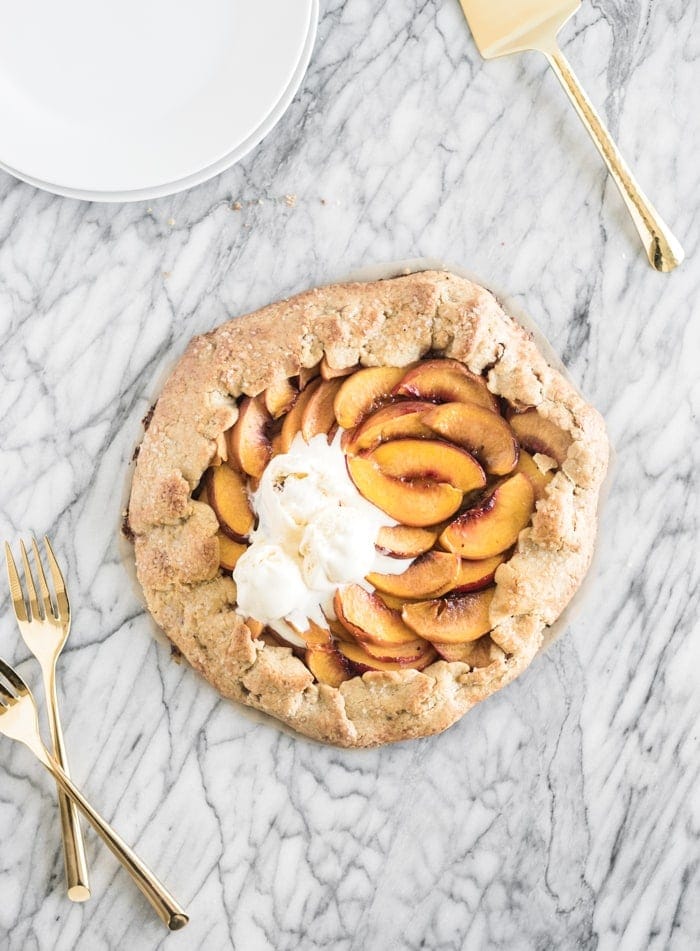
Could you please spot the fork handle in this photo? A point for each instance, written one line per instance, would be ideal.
(663, 249)
(166, 907)
(77, 880)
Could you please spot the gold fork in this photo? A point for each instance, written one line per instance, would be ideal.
(19, 721)
(45, 634)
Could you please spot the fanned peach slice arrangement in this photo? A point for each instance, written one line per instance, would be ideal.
(457, 469)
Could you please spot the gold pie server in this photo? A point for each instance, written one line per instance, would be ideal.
(501, 27)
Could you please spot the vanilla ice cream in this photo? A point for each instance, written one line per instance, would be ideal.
(315, 533)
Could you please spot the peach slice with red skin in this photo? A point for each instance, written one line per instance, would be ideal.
(328, 666)
(475, 575)
(229, 551)
(365, 662)
(539, 479)
(429, 459)
(227, 494)
(429, 576)
(363, 391)
(367, 617)
(279, 397)
(247, 441)
(536, 433)
(494, 525)
(446, 381)
(402, 541)
(396, 421)
(319, 416)
(482, 432)
(411, 503)
(292, 423)
(451, 620)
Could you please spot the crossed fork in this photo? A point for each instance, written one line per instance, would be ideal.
(44, 625)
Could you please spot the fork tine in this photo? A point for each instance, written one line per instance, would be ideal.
(48, 607)
(18, 604)
(34, 609)
(59, 584)
(5, 695)
(13, 678)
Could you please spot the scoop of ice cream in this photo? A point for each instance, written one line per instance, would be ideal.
(269, 582)
(337, 546)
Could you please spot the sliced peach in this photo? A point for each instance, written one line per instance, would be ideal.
(254, 626)
(401, 541)
(483, 433)
(228, 496)
(429, 459)
(390, 422)
(363, 391)
(479, 653)
(339, 631)
(446, 381)
(315, 636)
(318, 416)
(276, 444)
(536, 433)
(293, 420)
(494, 525)
(366, 616)
(248, 444)
(475, 575)
(391, 601)
(539, 479)
(335, 373)
(229, 551)
(307, 374)
(328, 666)
(279, 397)
(411, 503)
(451, 620)
(364, 661)
(403, 654)
(428, 576)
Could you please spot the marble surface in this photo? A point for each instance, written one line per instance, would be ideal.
(564, 812)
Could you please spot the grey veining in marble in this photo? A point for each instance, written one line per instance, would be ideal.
(564, 812)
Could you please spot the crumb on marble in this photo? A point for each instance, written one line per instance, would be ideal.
(236, 206)
(171, 222)
(290, 200)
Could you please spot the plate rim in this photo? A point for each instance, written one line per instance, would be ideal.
(207, 172)
(163, 180)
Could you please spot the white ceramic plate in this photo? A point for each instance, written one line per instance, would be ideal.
(170, 188)
(106, 97)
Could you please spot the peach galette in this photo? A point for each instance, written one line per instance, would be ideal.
(359, 509)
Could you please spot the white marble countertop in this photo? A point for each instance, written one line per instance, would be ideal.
(561, 814)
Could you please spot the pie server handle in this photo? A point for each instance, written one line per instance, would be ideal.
(663, 249)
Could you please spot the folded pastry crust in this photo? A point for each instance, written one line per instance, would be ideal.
(391, 322)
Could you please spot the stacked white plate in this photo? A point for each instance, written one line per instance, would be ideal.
(143, 98)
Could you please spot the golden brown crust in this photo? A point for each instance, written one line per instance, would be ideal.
(391, 322)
